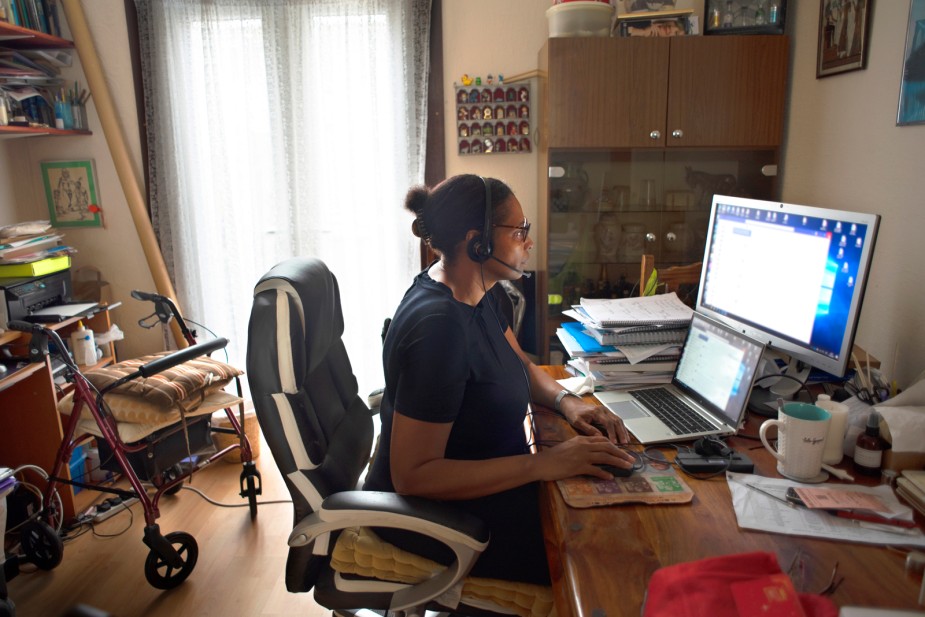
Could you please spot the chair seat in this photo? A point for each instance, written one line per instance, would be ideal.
(359, 551)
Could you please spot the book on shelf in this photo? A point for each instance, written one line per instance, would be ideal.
(664, 310)
(36, 268)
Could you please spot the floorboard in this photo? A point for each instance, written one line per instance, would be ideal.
(240, 570)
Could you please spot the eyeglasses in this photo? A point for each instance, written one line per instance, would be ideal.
(523, 231)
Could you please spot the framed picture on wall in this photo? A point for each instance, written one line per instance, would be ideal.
(71, 193)
(912, 88)
(843, 34)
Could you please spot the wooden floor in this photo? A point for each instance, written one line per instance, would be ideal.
(240, 569)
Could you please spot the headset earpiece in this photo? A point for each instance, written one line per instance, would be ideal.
(479, 247)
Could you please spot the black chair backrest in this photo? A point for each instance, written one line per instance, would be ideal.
(305, 394)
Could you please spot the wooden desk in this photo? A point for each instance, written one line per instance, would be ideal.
(601, 558)
(32, 430)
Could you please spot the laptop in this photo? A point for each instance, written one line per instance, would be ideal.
(713, 380)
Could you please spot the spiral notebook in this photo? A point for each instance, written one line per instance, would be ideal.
(641, 335)
(665, 310)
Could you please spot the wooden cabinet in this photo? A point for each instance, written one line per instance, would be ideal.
(636, 136)
(32, 428)
(664, 92)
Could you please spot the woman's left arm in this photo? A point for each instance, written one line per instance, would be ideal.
(586, 418)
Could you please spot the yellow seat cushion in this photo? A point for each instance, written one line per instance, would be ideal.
(360, 552)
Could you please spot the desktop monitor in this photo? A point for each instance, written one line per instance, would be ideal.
(790, 276)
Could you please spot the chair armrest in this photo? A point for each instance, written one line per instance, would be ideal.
(466, 535)
(381, 509)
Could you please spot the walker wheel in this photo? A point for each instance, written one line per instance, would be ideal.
(252, 496)
(41, 544)
(169, 476)
(161, 574)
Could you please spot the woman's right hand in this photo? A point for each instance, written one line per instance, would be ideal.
(581, 455)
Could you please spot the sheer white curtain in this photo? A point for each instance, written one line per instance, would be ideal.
(286, 128)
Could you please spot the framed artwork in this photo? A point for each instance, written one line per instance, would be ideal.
(71, 194)
(912, 88)
(744, 16)
(843, 34)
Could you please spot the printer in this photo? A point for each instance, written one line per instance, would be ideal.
(22, 295)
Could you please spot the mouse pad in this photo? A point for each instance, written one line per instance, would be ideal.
(654, 482)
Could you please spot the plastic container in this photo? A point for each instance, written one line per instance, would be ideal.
(82, 346)
(580, 19)
(835, 437)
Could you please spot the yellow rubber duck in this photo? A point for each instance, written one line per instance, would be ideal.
(466, 80)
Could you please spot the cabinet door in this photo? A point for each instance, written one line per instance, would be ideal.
(606, 92)
(727, 91)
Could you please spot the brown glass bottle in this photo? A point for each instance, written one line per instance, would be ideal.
(868, 450)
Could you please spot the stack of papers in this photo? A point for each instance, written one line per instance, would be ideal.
(624, 342)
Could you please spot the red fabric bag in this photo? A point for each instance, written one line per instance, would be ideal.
(742, 585)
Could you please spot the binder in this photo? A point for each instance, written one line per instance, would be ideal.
(36, 268)
(656, 336)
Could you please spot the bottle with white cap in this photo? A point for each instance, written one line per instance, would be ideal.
(838, 425)
(82, 346)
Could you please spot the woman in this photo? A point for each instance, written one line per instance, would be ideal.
(458, 386)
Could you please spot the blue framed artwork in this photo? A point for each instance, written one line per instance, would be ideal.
(912, 88)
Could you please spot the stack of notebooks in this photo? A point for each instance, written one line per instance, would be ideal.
(33, 250)
(627, 341)
(911, 487)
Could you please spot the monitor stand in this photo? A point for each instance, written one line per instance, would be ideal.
(763, 401)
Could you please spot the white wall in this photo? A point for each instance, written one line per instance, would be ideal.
(845, 151)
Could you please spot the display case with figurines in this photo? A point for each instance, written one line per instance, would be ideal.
(493, 117)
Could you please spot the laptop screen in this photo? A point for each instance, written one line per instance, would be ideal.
(717, 367)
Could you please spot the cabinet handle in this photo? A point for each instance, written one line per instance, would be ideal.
(677, 133)
(655, 135)
(650, 237)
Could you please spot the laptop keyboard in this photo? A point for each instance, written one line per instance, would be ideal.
(678, 416)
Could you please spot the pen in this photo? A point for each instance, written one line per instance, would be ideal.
(902, 531)
(771, 495)
(870, 518)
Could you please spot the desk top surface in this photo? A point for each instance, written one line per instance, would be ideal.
(601, 558)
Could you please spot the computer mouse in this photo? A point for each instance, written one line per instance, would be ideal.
(618, 472)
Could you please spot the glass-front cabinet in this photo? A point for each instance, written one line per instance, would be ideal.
(636, 137)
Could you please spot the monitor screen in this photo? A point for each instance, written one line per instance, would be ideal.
(788, 275)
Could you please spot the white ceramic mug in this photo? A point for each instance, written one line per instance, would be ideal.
(801, 432)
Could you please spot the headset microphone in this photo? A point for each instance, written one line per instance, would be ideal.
(507, 265)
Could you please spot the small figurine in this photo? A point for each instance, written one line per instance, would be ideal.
(478, 81)
(466, 80)
(490, 79)
(500, 79)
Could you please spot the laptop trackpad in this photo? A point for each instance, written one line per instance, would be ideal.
(627, 410)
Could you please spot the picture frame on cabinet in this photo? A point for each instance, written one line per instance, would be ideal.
(71, 193)
(912, 86)
(744, 16)
(844, 27)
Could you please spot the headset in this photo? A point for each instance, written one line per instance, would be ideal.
(479, 247)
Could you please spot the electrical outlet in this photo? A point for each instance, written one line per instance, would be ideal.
(101, 516)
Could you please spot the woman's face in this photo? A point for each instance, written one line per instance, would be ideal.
(511, 239)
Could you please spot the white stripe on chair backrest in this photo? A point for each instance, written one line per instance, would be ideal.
(294, 438)
(307, 489)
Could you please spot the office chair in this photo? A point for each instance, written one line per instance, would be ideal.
(683, 280)
(320, 433)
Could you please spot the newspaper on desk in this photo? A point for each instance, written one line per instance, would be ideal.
(755, 508)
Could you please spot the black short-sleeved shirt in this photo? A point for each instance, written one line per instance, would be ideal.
(446, 361)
